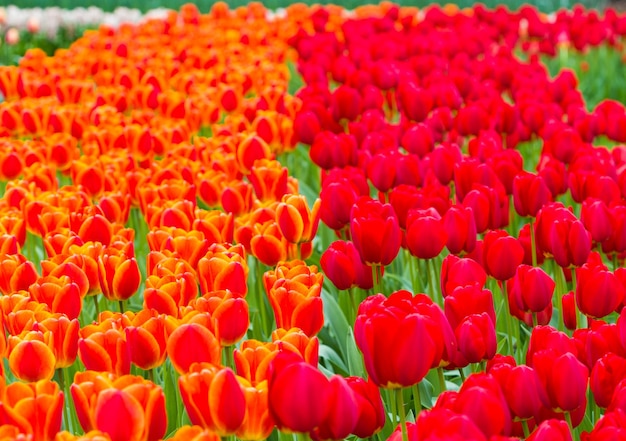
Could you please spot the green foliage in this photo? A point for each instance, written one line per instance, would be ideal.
(205, 5)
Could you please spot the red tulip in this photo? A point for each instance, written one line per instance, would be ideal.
(375, 231)
(386, 328)
(342, 413)
(570, 243)
(476, 339)
(298, 395)
(457, 272)
(531, 288)
(460, 227)
(466, 301)
(425, 233)
(598, 291)
(530, 193)
(342, 265)
(551, 430)
(371, 412)
(502, 254)
(191, 343)
(606, 374)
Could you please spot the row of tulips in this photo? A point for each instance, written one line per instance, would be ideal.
(141, 170)
(451, 147)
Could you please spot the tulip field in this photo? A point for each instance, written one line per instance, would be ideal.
(386, 223)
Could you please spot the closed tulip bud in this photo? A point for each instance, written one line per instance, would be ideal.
(480, 392)
(229, 315)
(371, 412)
(546, 337)
(294, 384)
(337, 199)
(476, 339)
(460, 226)
(569, 311)
(551, 430)
(340, 262)
(414, 102)
(597, 219)
(418, 139)
(192, 433)
(564, 378)
(63, 335)
(381, 171)
(606, 374)
(61, 294)
(570, 243)
(531, 288)
(345, 103)
(103, 347)
(192, 343)
(375, 231)
(343, 412)
(213, 398)
(425, 233)
(502, 254)
(344, 152)
(31, 359)
(457, 272)
(296, 221)
(599, 292)
(530, 193)
(466, 301)
(119, 274)
(224, 267)
(147, 338)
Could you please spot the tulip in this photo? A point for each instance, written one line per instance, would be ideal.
(375, 232)
(229, 314)
(564, 378)
(386, 328)
(460, 228)
(425, 233)
(531, 288)
(606, 374)
(31, 359)
(342, 264)
(269, 180)
(61, 294)
(119, 274)
(168, 293)
(296, 222)
(570, 243)
(34, 409)
(468, 300)
(476, 339)
(147, 339)
(550, 430)
(457, 272)
(213, 398)
(194, 433)
(191, 343)
(530, 193)
(224, 268)
(138, 404)
(343, 153)
(103, 347)
(502, 255)
(598, 291)
(342, 413)
(371, 412)
(299, 394)
(296, 299)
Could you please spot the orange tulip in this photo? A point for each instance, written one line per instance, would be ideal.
(103, 347)
(195, 433)
(60, 266)
(295, 298)
(20, 311)
(270, 180)
(224, 267)
(296, 221)
(267, 243)
(258, 423)
(62, 336)
(30, 357)
(61, 294)
(253, 358)
(92, 435)
(147, 338)
(118, 273)
(237, 197)
(34, 409)
(91, 225)
(216, 225)
(229, 315)
(138, 406)
(16, 273)
(168, 293)
(296, 341)
(213, 398)
(191, 343)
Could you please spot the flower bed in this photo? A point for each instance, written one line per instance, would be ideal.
(162, 257)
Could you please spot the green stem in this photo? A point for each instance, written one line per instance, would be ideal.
(462, 375)
(95, 302)
(507, 319)
(353, 302)
(417, 399)
(442, 380)
(432, 282)
(525, 428)
(151, 375)
(229, 356)
(401, 413)
(121, 304)
(378, 278)
(261, 300)
(66, 416)
(533, 243)
(568, 419)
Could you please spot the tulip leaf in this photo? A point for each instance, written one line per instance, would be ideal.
(336, 321)
(329, 354)
(170, 390)
(355, 361)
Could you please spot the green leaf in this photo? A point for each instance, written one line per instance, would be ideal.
(355, 360)
(170, 389)
(329, 354)
(336, 321)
